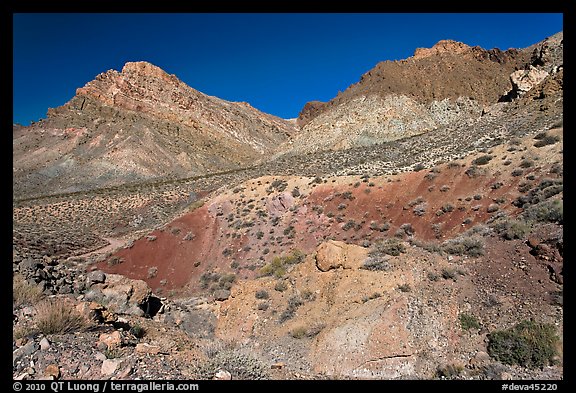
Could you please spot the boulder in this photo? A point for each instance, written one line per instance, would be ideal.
(222, 375)
(95, 277)
(109, 366)
(121, 294)
(112, 340)
(524, 80)
(336, 254)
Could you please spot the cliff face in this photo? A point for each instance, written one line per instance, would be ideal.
(138, 124)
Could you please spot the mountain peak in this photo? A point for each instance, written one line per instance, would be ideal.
(441, 47)
(144, 68)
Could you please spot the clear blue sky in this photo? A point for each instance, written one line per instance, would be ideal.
(276, 62)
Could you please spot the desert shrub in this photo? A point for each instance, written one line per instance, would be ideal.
(262, 294)
(510, 229)
(152, 271)
(547, 211)
(418, 167)
(407, 228)
(293, 303)
(464, 245)
(517, 172)
(347, 195)
(482, 160)
(449, 371)
(207, 277)
(526, 163)
(404, 288)
(428, 246)
(263, 306)
(528, 343)
(389, 246)
(279, 265)
(281, 286)
(24, 293)
(137, 330)
(295, 192)
(420, 209)
(473, 171)
(114, 260)
(56, 316)
(375, 295)
(448, 274)
(279, 185)
(448, 207)
(226, 280)
(299, 332)
(241, 365)
(350, 224)
(547, 140)
(308, 295)
(376, 264)
(468, 322)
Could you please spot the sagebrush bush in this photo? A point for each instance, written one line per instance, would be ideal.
(547, 211)
(468, 322)
(279, 265)
(242, 366)
(390, 246)
(472, 246)
(56, 316)
(24, 293)
(528, 343)
(510, 229)
(547, 140)
(482, 160)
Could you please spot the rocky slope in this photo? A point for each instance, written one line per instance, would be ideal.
(436, 87)
(337, 277)
(134, 125)
(407, 259)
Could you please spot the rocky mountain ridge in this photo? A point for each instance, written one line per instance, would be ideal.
(137, 125)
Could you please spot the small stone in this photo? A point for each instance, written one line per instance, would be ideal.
(22, 377)
(30, 371)
(23, 351)
(278, 366)
(222, 375)
(44, 344)
(100, 356)
(109, 366)
(532, 242)
(112, 340)
(52, 370)
(125, 373)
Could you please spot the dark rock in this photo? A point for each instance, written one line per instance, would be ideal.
(95, 277)
(24, 351)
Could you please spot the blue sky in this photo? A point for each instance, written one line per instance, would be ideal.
(276, 62)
